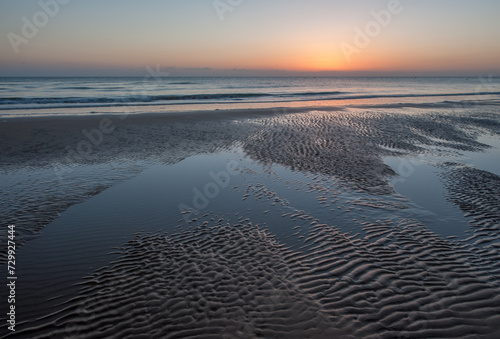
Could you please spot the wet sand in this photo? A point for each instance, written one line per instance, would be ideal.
(233, 278)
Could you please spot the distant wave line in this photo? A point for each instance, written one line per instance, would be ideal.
(151, 98)
(14, 103)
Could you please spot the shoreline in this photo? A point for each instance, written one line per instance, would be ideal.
(252, 109)
(176, 116)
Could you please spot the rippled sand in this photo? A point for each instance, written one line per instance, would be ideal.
(233, 279)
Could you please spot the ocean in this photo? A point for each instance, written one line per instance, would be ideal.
(82, 96)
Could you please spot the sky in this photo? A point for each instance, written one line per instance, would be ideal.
(249, 37)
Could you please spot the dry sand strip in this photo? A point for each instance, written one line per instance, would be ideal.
(236, 281)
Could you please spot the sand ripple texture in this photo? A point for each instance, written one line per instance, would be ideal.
(223, 281)
(349, 144)
(477, 193)
(235, 281)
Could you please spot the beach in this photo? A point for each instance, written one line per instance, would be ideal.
(241, 223)
(249, 169)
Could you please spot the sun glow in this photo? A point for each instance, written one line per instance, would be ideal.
(324, 63)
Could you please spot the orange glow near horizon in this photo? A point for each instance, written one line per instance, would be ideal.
(320, 60)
